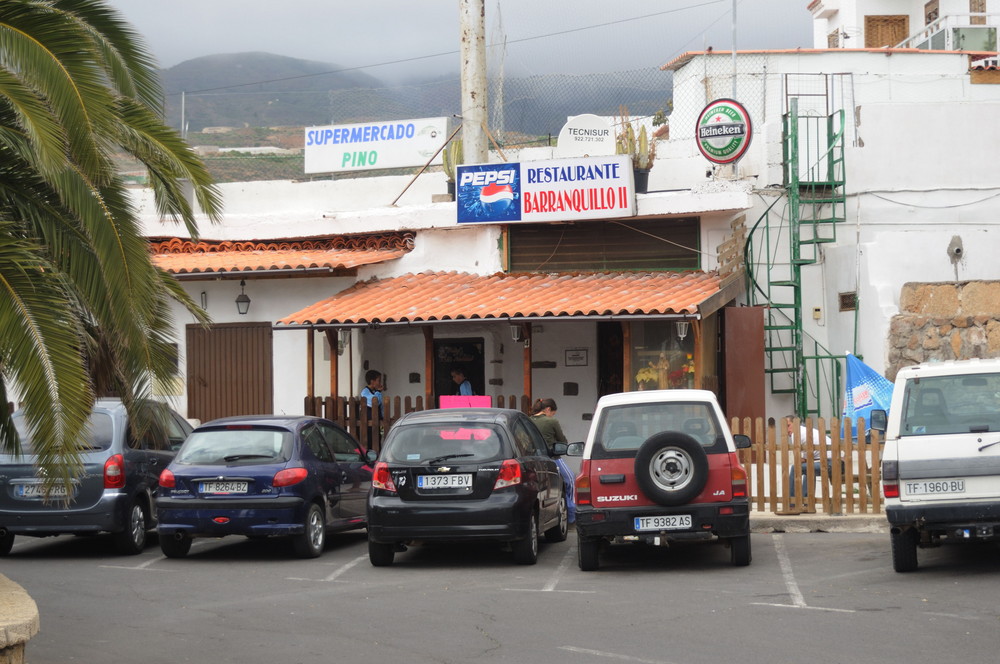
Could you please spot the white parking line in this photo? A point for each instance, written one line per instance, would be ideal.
(613, 655)
(143, 566)
(550, 585)
(343, 568)
(798, 601)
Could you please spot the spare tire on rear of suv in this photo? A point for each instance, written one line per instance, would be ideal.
(671, 468)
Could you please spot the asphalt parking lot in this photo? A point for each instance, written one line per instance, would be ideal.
(818, 597)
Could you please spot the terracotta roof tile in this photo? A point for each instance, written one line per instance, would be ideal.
(184, 257)
(439, 296)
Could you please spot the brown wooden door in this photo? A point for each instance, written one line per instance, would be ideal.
(743, 355)
(229, 370)
(886, 30)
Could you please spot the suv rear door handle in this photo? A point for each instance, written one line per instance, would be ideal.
(613, 479)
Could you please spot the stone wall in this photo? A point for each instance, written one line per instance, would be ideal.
(944, 321)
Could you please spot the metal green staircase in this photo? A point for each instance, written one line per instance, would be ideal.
(813, 159)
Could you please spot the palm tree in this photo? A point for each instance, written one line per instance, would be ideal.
(82, 308)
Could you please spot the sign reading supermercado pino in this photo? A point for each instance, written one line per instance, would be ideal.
(549, 190)
(724, 131)
(359, 147)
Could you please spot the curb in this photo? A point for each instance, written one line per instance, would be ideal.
(18, 621)
(818, 523)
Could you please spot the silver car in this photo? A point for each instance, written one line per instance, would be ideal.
(115, 492)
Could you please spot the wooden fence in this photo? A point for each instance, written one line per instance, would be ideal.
(849, 484)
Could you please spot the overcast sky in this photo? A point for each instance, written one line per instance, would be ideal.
(543, 36)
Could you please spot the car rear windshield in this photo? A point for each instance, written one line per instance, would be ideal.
(623, 429)
(236, 446)
(937, 405)
(97, 436)
(432, 443)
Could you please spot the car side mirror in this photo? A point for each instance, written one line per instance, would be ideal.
(742, 441)
(558, 449)
(574, 449)
(878, 420)
(371, 456)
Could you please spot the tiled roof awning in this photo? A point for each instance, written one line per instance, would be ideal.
(187, 259)
(450, 296)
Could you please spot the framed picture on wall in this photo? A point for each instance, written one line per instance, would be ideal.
(576, 357)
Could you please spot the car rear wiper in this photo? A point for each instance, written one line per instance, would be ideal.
(983, 447)
(446, 457)
(240, 457)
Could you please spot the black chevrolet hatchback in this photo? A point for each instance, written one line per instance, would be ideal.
(462, 474)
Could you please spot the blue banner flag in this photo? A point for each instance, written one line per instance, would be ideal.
(867, 390)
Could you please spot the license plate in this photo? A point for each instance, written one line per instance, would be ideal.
(39, 491)
(924, 487)
(671, 522)
(224, 487)
(455, 481)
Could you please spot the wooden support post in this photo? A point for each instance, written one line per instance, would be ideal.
(429, 366)
(332, 337)
(310, 362)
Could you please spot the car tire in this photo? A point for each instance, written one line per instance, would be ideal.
(904, 549)
(310, 543)
(671, 468)
(588, 553)
(132, 540)
(560, 531)
(526, 550)
(381, 554)
(740, 553)
(6, 543)
(175, 547)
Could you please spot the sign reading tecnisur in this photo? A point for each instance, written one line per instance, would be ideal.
(359, 147)
(724, 131)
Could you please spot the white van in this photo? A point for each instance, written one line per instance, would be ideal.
(941, 464)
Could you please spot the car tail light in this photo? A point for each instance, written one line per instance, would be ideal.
(114, 472)
(167, 479)
(510, 474)
(890, 479)
(289, 476)
(382, 478)
(739, 479)
(582, 487)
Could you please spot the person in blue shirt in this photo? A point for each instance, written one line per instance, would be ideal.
(373, 391)
(464, 386)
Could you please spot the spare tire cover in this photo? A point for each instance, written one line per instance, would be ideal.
(671, 468)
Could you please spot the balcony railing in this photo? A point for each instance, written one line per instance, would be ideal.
(957, 32)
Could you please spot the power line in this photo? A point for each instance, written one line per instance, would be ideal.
(455, 52)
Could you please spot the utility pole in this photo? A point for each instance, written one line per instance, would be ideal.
(472, 21)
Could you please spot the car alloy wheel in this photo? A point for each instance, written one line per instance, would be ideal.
(558, 532)
(132, 540)
(526, 550)
(310, 543)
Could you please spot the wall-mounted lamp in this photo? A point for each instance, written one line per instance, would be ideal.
(516, 332)
(242, 300)
(343, 339)
(682, 329)
(204, 300)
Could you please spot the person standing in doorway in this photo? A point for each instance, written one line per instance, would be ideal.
(464, 386)
(543, 414)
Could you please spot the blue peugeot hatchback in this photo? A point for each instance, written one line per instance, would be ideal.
(264, 476)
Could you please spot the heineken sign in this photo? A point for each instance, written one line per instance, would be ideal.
(724, 131)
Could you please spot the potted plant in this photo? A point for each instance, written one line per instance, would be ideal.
(638, 146)
(451, 157)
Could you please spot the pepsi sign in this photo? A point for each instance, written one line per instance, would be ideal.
(488, 193)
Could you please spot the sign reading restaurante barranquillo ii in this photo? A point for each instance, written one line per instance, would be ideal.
(724, 131)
